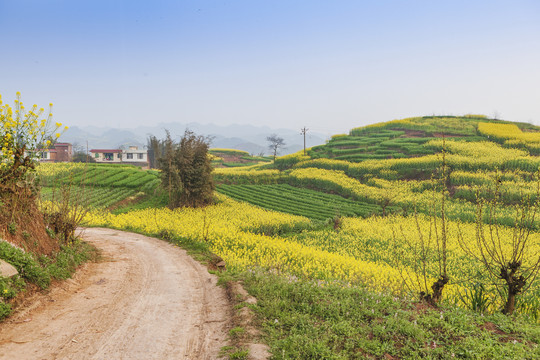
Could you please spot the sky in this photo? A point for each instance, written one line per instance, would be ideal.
(327, 65)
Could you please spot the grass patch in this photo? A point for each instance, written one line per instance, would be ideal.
(311, 320)
(234, 353)
(40, 270)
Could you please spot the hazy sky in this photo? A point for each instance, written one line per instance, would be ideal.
(327, 65)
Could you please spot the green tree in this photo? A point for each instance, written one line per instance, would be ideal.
(187, 171)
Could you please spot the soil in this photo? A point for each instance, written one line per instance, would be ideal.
(448, 135)
(20, 212)
(414, 133)
(146, 299)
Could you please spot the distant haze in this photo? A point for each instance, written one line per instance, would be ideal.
(327, 65)
(243, 137)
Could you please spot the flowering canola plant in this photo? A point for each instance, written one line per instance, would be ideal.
(507, 131)
(23, 132)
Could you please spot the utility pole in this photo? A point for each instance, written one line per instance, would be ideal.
(303, 131)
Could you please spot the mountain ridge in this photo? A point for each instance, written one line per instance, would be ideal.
(236, 136)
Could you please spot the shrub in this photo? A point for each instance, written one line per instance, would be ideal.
(187, 171)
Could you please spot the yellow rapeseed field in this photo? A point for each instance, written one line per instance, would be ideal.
(377, 252)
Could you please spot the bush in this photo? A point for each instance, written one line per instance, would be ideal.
(187, 171)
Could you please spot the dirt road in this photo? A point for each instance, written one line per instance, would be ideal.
(146, 300)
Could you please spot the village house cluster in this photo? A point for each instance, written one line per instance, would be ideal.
(63, 152)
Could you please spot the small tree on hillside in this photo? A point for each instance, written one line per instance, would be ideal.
(275, 143)
(510, 259)
(187, 171)
(429, 249)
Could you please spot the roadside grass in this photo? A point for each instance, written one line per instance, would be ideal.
(305, 319)
(234, 353)
(39, 270)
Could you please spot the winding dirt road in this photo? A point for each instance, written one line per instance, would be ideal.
(146, 300)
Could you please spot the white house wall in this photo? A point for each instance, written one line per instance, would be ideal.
(135, 156)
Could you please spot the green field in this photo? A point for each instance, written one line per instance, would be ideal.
(96, 185)
(297, 201)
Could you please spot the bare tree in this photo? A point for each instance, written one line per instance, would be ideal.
(275, 143)
(509, 257)
(80, 154)
(429, 249)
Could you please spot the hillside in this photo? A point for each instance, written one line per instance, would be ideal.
(411, 137)
(341, 245)
(370, 163)
(235, 158)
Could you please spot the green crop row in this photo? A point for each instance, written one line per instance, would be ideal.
(89, 197)
(298, 201)
(107, 176)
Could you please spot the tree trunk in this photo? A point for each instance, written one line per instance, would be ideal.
(437, 287)
(510, 304)
(514, 284)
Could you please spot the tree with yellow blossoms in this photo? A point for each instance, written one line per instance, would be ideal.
(23, 134)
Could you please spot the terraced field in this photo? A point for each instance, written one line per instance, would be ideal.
(297, 201)
(91, 197)
(95, 185)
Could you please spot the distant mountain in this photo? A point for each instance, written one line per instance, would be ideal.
(242, 137)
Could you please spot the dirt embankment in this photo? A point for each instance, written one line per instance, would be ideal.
(21, 223)
(147, 300)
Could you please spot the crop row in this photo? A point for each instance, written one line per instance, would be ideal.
(89, 197)
(105, 176)
(427, 124)
(297, 201)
